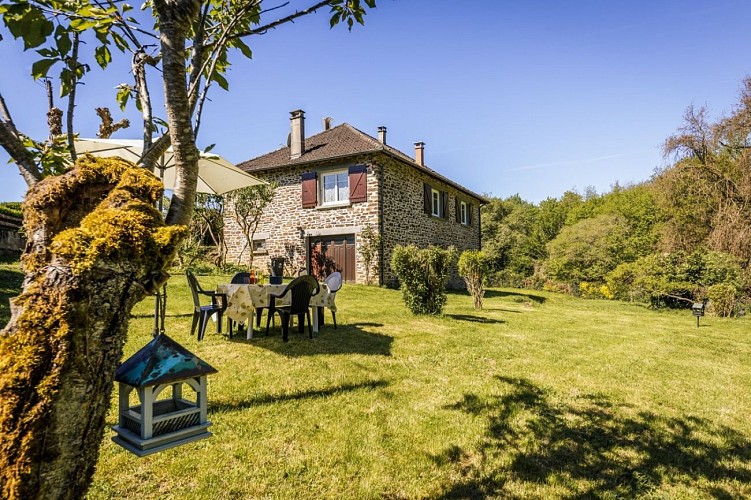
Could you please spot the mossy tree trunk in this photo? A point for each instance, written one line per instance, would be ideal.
(97, 246)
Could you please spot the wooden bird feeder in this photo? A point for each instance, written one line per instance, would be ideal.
(159, 424)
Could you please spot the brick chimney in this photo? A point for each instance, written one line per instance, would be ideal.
(420, 153)
(382, 135)
(297, 134)
(327, 122)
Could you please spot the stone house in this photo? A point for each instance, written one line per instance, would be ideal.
(330, 186)
(12, 241)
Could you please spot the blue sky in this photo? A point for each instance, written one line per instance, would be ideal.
(532, 97)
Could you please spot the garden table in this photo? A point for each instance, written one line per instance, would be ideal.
(242, 301)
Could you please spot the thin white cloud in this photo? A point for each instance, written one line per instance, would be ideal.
(572, 162)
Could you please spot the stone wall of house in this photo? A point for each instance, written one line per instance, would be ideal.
(11, 240)
(287, 227)
(405, 220)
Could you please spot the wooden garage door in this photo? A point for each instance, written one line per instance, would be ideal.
(341, 249)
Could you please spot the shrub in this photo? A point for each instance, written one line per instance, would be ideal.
(472, 267)
(506, 277)
(589, 290)
(422, 276)
(722, 299)
(12, 208)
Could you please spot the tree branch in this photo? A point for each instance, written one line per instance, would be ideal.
(263, 29)
(73, 65)
(140, 59)
(6, 115)
(11, 142)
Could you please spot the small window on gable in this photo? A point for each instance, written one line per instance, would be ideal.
(335, 187)
(464, 213)
(436, 202)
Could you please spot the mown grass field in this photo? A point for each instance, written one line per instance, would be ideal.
(537, 395)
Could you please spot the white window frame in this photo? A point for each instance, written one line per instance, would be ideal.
(464, 212)
(435, 202)
(259, 246)
(322, 190)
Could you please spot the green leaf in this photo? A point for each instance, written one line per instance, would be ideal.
(103, 56)
(62, 40)
(82, 24)
(40, 68)
(243, 48)
(123, 94)
(209, 148)
(29, 24)
(220, 80)
(120, 42)
(335, 19)
(46, 52)
(65, 82)
(125, 8)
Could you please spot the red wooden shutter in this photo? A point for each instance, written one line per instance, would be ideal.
(444, 204)
(358, 184)
(309, 190)
(458, 213)
(470, 208)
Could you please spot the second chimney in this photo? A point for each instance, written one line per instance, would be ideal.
(297, 134)
(420, 153)
(382, 135)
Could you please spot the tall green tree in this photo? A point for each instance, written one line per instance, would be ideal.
(707, 190)
(587, 250)
(506, 235)
(97, 245)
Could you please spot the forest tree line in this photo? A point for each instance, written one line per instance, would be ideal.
(683, 236)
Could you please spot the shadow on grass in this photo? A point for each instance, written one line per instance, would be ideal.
(474, 319)
(530, 296)
(351, 338)
(593, 448)
(268, 399)
(10, 286)
(168, 315)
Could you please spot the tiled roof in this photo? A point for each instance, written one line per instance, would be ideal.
(338, 142)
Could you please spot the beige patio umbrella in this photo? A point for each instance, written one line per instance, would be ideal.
(215, 174)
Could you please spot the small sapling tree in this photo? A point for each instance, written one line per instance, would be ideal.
(472, 267)
(370, 245)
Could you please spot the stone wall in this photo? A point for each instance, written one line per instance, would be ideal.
(11, 240)
(287, 227)
(405, 221)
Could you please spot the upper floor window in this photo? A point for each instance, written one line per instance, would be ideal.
(464, 213)
(436, 202)
(335, 187)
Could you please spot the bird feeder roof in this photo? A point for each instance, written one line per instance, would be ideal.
(159, 362)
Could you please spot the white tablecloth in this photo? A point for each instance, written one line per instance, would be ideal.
(242, 301)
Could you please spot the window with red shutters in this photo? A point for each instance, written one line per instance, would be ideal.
(309, 190)
(358, 184)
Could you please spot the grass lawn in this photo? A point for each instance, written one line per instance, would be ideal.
(537, 395)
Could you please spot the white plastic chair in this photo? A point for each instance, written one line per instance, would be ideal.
(334, 283)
